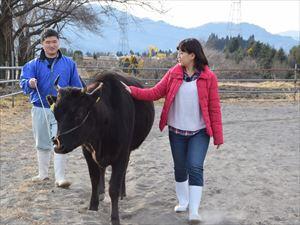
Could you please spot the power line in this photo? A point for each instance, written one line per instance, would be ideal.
(123, 25)
(235, 15)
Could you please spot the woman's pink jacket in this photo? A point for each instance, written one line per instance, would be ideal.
(209, 99)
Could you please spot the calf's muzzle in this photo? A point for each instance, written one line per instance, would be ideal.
(56, 144)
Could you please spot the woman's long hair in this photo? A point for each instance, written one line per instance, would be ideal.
(192, 45)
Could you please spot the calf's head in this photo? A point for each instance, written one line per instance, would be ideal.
(72, 109)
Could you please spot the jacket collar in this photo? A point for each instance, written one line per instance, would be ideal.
(43, 55)
(177, 72)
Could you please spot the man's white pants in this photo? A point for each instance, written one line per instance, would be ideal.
(43, 131)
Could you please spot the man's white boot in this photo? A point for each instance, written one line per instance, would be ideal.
(195, 193)
(182, 193)
(59, 170)
(43, 157)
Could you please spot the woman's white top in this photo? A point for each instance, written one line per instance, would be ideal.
(185, 112)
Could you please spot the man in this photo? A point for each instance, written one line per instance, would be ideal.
(37, 79)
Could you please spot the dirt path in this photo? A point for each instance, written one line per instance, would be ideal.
(253, 179)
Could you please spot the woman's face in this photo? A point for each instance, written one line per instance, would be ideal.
(185, 59)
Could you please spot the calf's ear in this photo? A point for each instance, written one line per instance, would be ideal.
(84, 89)
(57, 87)
(51, 99)
(95, 94)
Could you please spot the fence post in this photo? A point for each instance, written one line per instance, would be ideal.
(17, 71)
(13, 96)
(295, 81)
(12, 72)
(7, 73)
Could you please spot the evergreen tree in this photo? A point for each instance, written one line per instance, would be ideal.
(95, 56)
(280, 56)
(250, 41)
(239, 55)
(294, 56)
(66, 52)
(119, 53)
(233, 45)
(77, 55)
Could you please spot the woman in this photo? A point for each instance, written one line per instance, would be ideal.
(192, 113)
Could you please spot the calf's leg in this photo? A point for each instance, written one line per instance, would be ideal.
(123, 185)
(115, 184)
(102, 184)
(94, 172)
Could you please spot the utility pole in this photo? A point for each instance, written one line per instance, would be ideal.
(235, 15)
(123, 42)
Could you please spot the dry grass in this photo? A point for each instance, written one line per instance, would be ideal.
(263, 99)
(267, 84)
(8, 113)
(266, 98)
(20, 101)
(25, 186)
(18, 214)
(275, 84)
(262, 86)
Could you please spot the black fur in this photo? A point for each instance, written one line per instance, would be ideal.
(116, 124)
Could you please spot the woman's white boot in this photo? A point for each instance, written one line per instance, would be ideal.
(59, 170)
(43, 157)
(194, 203)
(182, 192)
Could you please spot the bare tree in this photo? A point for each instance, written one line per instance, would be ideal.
(55, 14)
(22, 21)
(11, 9)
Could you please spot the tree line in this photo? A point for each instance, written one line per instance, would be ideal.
(265, 56)
(78, 55)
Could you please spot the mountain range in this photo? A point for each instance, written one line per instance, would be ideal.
(140, 33)
(291, 33)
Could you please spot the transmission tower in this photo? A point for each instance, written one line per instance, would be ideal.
(235, 15)
(123, 25)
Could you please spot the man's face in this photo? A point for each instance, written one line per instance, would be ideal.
(51, 46)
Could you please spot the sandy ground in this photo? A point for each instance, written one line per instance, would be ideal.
(253, 179)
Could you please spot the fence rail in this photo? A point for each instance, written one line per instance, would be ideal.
(215, 70)
(8, 81)
(151, 81)
(11, 94)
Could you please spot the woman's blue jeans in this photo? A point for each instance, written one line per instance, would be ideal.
(188, 155)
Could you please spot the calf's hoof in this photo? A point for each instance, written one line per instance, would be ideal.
(101, 196)
(93, 208)
(122, 195)
(115, 221)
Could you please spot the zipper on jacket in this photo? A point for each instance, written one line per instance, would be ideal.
(51, 73)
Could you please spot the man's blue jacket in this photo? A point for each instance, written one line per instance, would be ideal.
(46, 74)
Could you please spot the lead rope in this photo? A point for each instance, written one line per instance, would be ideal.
(48, 124)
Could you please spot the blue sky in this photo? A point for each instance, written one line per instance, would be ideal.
(274, 16)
